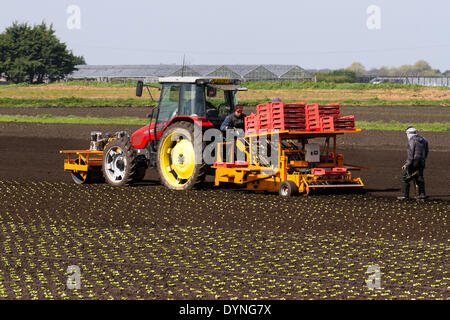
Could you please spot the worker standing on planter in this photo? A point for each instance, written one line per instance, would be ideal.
(412, 170)
(233, 126)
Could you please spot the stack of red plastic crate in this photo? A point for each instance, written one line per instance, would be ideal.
(280, 116)
(344, 123)
(297, 116)
(327, 118)
(276, 116)
(251, 124)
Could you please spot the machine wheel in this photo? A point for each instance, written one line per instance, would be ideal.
(176, 163)
(119, 163)
(287, 188)
(80, 177)
(94, 174)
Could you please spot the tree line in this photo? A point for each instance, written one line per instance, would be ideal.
(34, 54)
(419, 69)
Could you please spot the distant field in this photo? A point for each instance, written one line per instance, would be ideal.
(74, 94)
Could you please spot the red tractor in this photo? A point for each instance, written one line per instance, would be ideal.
(187, 106)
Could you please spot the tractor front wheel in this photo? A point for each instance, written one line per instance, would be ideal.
(180, 167)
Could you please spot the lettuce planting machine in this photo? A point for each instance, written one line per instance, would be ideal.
(288, 148)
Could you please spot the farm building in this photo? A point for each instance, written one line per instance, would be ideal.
(151, 73)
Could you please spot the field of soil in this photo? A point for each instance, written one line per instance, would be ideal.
(402, 114)
(148, 242)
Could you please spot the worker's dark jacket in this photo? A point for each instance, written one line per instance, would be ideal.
(232, 121)
(417, 152)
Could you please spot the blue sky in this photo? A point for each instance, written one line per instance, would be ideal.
(312, 34)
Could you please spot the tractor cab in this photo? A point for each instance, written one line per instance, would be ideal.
(198, 98)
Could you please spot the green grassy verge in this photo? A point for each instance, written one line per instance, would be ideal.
(330, 85)
(361, 102)
(86, 102)
(74, 102)
(128, 84)
(401, 126)
(46, 118)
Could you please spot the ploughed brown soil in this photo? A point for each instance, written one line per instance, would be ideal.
(404, 114)
(30, 151)
(148, 242)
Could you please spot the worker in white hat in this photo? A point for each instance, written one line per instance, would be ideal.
(412, 170)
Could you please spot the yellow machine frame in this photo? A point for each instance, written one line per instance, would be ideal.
(82, 161)
(260, 177)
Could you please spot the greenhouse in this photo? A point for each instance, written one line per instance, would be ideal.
(151, 73)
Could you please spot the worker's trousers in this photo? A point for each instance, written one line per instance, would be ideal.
(416, 175)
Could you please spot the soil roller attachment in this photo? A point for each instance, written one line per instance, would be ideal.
(110, 158)
(84, 165)
(334, 179)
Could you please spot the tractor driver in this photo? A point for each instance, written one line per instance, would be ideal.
(234, 120)
(234, 125)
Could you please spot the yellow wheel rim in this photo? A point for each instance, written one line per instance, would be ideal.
(177, 159)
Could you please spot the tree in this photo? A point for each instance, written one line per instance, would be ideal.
(421, 66)
(33, 53)
(79, 60)
(337, 76)
(357, 68)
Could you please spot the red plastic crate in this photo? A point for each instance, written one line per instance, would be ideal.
(326, 123)
(263, 107)
(331, 109)
(312, 117)
(344, 123)
(251, 124)
(280, 116)
(318, 171)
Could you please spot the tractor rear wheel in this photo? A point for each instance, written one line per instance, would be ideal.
(288, 188)
(119, 162)
(178, 167)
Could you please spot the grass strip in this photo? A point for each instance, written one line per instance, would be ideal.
(361, 102)
(96, 84)
(272, 85)
(74, 102)
(401, 126)
(48, 118)
(369, 125)
(86, 102)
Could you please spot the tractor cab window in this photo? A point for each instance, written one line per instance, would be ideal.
(168, 104)
(192, 101)
(219, 103)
